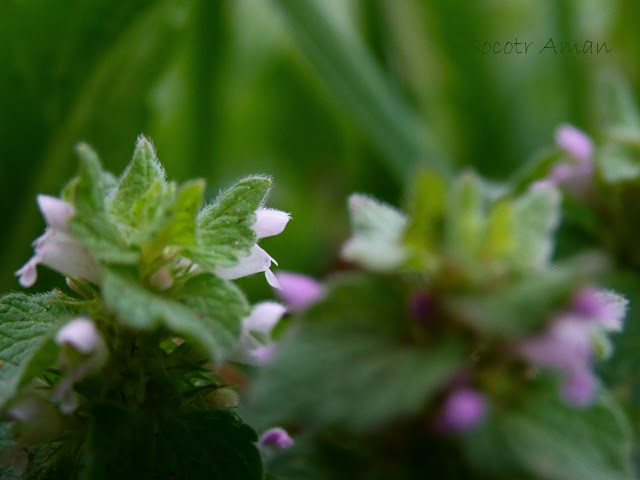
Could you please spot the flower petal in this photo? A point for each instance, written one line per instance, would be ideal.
(276, 437)
(62, 252)
(257, 261)
(80, 334)
(28, 273)
(574, 142)
(56, 212)
(264, 317)
(463, 409)
(270, 222)
(298, 291)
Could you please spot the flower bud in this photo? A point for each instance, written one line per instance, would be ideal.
(270, 222)
(276, 437)
(421, 306)
(463, 409)
(297, 291)
(162, 279)
(574, 142)
(223, 398)
(607, 308)
(82, 335)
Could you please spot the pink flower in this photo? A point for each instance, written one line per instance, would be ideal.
(82, 336)
(576, 175)
(57, 248)
(298, 291)
(462, 410)
(276, 437)
(575, 143)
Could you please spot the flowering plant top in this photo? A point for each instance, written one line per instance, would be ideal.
(135, 343)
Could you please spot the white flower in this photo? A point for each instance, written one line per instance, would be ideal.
(56, 248)
(261, 321)
(82, 336)
(268, 222)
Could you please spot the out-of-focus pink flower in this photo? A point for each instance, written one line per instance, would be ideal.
(298, 291)
(463, 409)
(574, 176)
(579, 387)
(574, 142)
(82, 336)
(606, 308)
(276, 437)
(567, 345)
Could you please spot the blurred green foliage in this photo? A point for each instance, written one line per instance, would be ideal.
(230, 88)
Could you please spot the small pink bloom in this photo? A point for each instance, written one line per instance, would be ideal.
(579, 387)
(298, 291)
(574, 142)
(606, 308)
(276, 437)
(463, 409)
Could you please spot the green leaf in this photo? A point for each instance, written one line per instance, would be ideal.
(499, 241)
(553, 441)
(140, 176)
(180, 228)
(536, 214)
(378, 230)
(91, 225)
(360, 378)
(212, 445)
(27, 325)
(206, 310)
(6, 446)
(426, 210)
(525, 305)
(465, 221)
(224, 230)
(618, 163)
(535, 169)
(355, 349)
(90, 191)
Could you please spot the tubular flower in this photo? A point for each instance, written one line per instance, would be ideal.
(576, 175)
(568, 343)
(298, 291)
(259, 323)
(276, 437)
(81, 336)
(269, 222)
(57, 248)
(462, 410)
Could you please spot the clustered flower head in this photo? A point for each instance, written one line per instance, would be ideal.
(568, 344)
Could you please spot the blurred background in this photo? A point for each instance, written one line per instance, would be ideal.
(327, 96)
